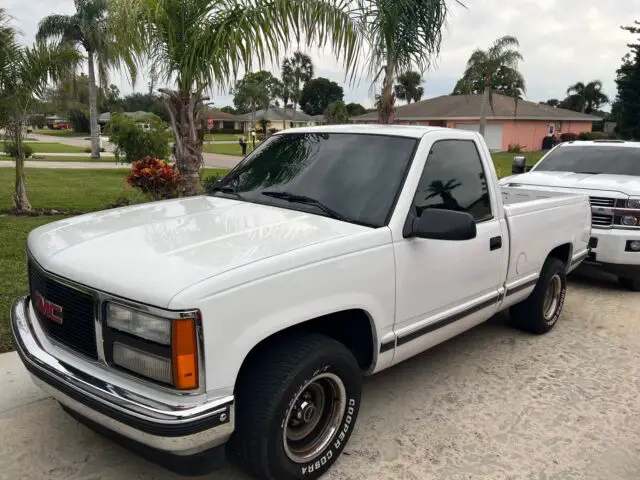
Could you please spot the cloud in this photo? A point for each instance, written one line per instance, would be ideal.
(562, 41)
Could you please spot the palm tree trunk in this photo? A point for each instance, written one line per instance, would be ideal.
(284, 121)
(387, 97)
(93, 110)
(185, 111)
(295, 104)
(20, 199)
(483, 108)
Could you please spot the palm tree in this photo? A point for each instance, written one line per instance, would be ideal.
(404, 35)
(296, 71)
(282, 91)
(24, 75)
(200, 44)
(89, 27)
(589, 96)
(501, 58)
(409, 87)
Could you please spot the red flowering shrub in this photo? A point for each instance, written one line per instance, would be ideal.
(155, 178)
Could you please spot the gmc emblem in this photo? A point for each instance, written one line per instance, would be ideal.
(48, 309)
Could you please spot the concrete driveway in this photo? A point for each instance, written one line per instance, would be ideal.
(492, 404)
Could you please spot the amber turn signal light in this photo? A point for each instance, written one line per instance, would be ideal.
(185, 354)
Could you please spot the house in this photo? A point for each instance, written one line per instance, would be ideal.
(526, 124)
(278, 120)
(219, 121)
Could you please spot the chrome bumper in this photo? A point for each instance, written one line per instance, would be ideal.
(174, 429)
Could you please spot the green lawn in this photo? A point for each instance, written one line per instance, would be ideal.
(83, 190)
(503, 160)
(60, 158)
(223, 137)
(61, 133)
(226, 148)
(46, 147)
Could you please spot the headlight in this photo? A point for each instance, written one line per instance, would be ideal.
(173, 357)
(144, 363)
(629, 221)
(140, 324)
(633, 203)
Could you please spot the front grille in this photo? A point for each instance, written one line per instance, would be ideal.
(77, 330)
(602, 201)
(599, 220)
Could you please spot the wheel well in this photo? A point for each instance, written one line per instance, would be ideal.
(562, 253)
(352, 328)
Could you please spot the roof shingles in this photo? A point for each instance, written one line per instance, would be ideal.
(467, 107)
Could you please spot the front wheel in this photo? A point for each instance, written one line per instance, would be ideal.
(297, 405)
(540, 312)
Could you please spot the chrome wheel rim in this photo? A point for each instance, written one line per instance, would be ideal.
(314, 418)
(552, 298)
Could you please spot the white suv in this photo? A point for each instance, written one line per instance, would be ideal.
(609, 172)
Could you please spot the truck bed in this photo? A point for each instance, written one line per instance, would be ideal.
(538, 222)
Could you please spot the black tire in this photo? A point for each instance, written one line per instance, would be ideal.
(534, 314)
(632, 284)
(271, 388)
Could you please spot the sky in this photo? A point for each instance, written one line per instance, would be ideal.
(562, 42)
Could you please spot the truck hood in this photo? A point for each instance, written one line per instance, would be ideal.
(619, 184)
(151, 252)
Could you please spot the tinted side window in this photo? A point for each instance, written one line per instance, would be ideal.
(453, 179)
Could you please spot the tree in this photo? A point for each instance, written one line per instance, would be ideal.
(589, 97)
(553, 102)
(296, 71)
(355, 109)
(317, 94)
(199, 44)
(504, 82)
(282, 90)
(253, 92)
(336, 113)
(409, 87)
(404, 35)
(89, 27)
(627, 104)
(228, 109)
(24, 75)
(501, 58)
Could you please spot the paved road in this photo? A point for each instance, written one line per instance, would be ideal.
(211, 160)
(493, 404)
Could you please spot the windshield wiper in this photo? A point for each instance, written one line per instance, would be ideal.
(293, 198)
(228, 191)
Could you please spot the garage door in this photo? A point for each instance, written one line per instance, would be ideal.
(492, 134)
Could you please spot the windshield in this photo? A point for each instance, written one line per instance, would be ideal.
(352, 177)
(592, 159)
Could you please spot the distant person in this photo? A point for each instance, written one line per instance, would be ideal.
(243, 145)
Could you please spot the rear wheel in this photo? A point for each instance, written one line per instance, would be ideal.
(632, 284)
(540, 312)
(297, 404)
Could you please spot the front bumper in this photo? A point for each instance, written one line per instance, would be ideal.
(608, 251)
(181, 430)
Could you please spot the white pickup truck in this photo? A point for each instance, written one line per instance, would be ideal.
(246, 318)
(608, 171)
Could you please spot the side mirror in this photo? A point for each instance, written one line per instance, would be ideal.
(437, 224)
(518, 165)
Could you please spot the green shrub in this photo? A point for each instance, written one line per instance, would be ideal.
(11, 149)
(133, 143)
(591, 136)
(515, 148)
(79, 120)
(568, 137)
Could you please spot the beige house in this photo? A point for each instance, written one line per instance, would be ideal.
(278, 120)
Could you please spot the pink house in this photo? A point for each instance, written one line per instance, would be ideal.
(526, 124)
